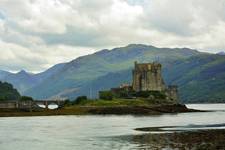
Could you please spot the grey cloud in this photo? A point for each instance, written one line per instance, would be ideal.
(2, 16)
(72, 36)
(53, 31)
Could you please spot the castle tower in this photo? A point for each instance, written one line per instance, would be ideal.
(147, 77)
(172, 93)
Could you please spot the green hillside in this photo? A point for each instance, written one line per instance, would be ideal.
(81, 71)
(200, 76)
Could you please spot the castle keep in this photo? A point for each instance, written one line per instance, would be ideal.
(147, 82)
(147, 77)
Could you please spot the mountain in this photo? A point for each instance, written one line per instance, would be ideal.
(78, 73)
(221, 53)
(23, 80)
(3, 74)
(200, 76)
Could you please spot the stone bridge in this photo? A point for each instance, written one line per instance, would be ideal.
(30, 104)
(46, 103)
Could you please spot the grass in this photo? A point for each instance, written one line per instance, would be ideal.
(119, 102)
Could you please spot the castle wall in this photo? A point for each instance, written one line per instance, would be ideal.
(172, 93)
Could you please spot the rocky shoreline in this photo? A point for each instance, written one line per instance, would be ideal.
(100, 110)
(141, 110)
(185, 140)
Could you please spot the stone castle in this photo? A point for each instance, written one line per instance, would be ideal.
(147, 77)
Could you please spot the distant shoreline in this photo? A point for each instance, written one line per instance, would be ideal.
(100, 110)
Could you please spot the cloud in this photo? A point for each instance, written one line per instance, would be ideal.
(36, 34)
(41, 57)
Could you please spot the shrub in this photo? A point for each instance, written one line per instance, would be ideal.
(26, 98)
(80, 99)
(155, 94)
(144, 94)
(158, 94)
(67, 102)
(106, 95)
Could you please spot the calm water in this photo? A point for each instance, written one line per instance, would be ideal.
(94, 132)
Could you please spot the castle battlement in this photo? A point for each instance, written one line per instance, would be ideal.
(147, 66)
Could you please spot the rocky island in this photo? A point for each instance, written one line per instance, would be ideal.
(147, 95)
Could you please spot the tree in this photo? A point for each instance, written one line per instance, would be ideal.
(26, 98)
(7, 92)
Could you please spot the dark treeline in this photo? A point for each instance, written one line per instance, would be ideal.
(7, 92)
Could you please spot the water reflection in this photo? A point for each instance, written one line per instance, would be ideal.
(109, 131)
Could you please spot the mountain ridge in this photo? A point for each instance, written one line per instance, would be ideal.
(92, 66)
(109, 68)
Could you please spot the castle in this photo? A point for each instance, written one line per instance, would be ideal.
(147, 78)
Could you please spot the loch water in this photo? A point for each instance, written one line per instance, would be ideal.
(98, 132)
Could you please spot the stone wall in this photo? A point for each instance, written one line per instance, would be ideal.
(9, 104)
(16, 104)
(172, 93)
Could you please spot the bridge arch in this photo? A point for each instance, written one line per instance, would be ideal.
(49, 104)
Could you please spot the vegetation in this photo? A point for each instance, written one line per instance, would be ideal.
(77, 101)
(80, 100)
(26, 98)
(7, 92)
(124, 94)
(151, 94)
(107, 99)
(117, 102)
(68, 102)
(106, 95)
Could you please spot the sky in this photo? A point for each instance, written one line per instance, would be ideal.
(36, 34)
